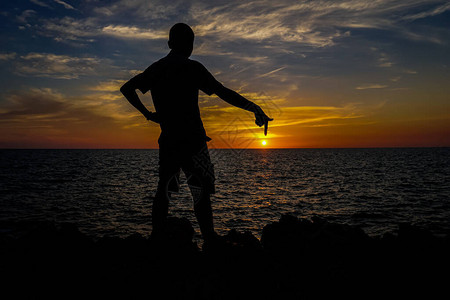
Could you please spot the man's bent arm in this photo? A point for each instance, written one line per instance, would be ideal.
(129, 91)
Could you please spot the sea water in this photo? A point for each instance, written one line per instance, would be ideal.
(110, 192)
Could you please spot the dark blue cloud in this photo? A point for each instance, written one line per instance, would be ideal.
(239, 41)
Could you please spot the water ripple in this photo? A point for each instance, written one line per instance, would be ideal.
(110, 191)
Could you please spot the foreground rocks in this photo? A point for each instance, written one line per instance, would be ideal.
(295, 259)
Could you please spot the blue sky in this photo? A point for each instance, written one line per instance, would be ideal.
(332, 73)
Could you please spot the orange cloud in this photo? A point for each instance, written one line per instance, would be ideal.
(43, 118)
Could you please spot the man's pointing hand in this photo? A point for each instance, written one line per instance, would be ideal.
(261, 118)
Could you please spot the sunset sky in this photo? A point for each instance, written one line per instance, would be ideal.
(350, 73)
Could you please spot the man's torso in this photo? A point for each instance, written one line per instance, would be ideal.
(174, 82)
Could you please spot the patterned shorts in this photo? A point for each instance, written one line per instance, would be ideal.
(195, 163)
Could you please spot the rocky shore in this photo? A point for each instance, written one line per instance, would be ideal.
(295, 259)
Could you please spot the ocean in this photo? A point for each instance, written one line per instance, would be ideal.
(109, 192)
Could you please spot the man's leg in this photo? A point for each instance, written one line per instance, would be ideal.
(203, 210)
(168, 181)
(160, 207)
(200, 173)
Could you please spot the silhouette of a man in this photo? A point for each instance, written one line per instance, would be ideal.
(174, 82)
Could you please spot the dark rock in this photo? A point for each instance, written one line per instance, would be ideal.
(291, 234)
(233, 242)
(414, 234)
(244, 240)
(176, 236)
(296, 258)
(179, 229)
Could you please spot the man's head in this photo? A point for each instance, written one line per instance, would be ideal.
(181, 39)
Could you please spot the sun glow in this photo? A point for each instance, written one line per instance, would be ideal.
(263, 142)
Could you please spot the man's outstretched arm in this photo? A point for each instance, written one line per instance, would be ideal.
(129, 91)
(237, 100)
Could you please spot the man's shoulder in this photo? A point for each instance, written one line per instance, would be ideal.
(170, 62)
(175, 60)
(156, 65)
(158, 62)
(196, 63)
(198, 66)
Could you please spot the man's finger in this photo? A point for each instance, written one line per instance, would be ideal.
(266, 125)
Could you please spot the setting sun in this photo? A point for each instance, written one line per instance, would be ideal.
(264, 142)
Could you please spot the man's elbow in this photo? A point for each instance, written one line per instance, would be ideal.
(125, 88)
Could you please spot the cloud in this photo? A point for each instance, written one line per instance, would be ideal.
(413, 72)
(255, 21)
(384, 61)
(108, 86)
(133, 32)
(316, 24)
(140, 10)
(433, 12)
(80, 31)
(25, 15)
(217, 118)
(49, 107)
(75, 32)
(57, 66)
(44, 117)
(32, 104)
(8, 56)
(371, 86)
(316, 115)
(249, 21)
(231, 127)
(40, 3)
(430, 37)
(313, 23)
(65, 4)
(272, 72)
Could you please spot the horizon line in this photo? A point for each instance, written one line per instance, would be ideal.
(262, 148)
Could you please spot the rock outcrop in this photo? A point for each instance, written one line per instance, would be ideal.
(295, 259)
